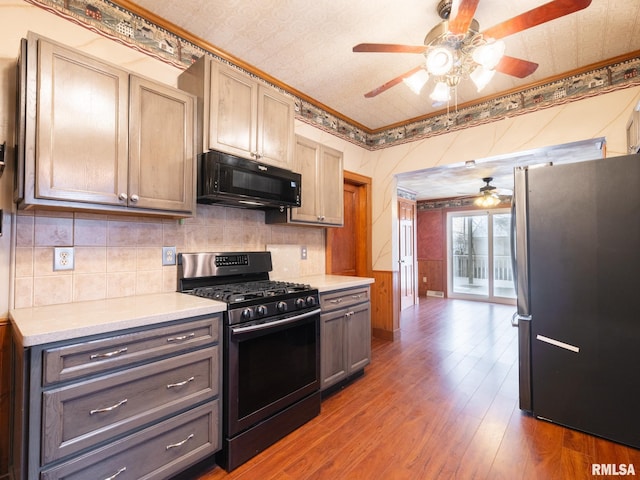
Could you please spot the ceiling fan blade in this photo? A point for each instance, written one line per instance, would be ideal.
(392, 83)
(465, 9)
(543, 13)
(516, 67)
(388, 48)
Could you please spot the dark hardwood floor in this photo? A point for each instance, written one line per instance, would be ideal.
(442, 402)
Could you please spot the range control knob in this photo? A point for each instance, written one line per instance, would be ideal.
(311, 301)
(281, 307)
(261, 310)
(247, 314)
(300, 303)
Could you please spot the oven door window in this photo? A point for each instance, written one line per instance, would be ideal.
(275, 368)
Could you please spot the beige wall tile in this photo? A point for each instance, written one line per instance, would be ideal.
(149, 282)
(43, 261)
(149, 234)
(53, 231)
(89, 231)
(121, 259)
(23, 295)
(120, 233)
(25, 231)
(149, 258)
(89, 286)
(52, 290)
(121, 284)
(90, 260)
(24, 262)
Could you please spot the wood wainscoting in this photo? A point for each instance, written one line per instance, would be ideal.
(385, 305)
(5, 373)
(434, 271)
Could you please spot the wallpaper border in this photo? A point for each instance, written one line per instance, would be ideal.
(112, 21)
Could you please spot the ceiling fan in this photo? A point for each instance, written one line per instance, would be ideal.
(489, 195)
(456, 49)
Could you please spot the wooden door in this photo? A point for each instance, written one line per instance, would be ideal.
(406, 229)
(276, 136)
(234, 111)
(348, 248)
(161, 158)
(82, 127)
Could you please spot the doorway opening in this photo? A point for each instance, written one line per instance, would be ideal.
(479, 256)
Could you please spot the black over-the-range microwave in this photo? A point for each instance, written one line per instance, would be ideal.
(239, 182)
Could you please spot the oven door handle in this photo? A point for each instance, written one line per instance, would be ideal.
(262, 326)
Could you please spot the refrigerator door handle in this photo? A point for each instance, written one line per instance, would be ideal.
(516, 318)
(519, 235)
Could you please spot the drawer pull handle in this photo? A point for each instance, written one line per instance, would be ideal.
(180, 338)
(356, 297)
(179, 384)
(339, 300)
(179, 444)
(108, 409)
(123, 469)
(96, 356)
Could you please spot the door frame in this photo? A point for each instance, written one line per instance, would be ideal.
(364, 227)
(490, 297)
(414, 268)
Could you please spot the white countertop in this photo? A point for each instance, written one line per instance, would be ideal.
(52, 323)
(328, 283)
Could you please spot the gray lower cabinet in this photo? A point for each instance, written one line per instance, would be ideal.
(140, 403)
(345, 333)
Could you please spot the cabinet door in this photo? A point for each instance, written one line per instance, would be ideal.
(331, 186)
(234, 111)
(358, 337)
(276, 135)
(307, 164)
(333, 348)
(81, 127)
(161, 148)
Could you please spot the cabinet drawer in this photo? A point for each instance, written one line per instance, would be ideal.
(77, 416)
(343, 298)
(156, 452)
(87, 358)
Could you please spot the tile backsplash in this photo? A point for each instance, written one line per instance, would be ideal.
(118, 256)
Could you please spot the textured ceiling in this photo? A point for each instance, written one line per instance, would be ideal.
(307, 45)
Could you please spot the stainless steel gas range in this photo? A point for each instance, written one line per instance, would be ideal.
(271, 367)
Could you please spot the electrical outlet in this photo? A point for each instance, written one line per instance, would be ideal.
(168, 255)
(303, 253)
(63, 258)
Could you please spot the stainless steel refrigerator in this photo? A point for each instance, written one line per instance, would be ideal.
(577, 258)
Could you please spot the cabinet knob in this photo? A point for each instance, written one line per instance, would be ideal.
(122, 197)
(134, 198)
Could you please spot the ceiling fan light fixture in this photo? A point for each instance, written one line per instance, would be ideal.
(481, 77)
(487, 200)
(416, 81)
(439, 60)
(489, 54)
(441, 92)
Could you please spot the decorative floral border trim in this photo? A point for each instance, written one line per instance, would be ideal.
(112, 21)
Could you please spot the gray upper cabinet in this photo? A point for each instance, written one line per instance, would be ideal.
(97, 137)
(240, 115)
(321, 168)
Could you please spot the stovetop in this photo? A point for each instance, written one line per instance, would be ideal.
(241, 280)
(242, 292)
